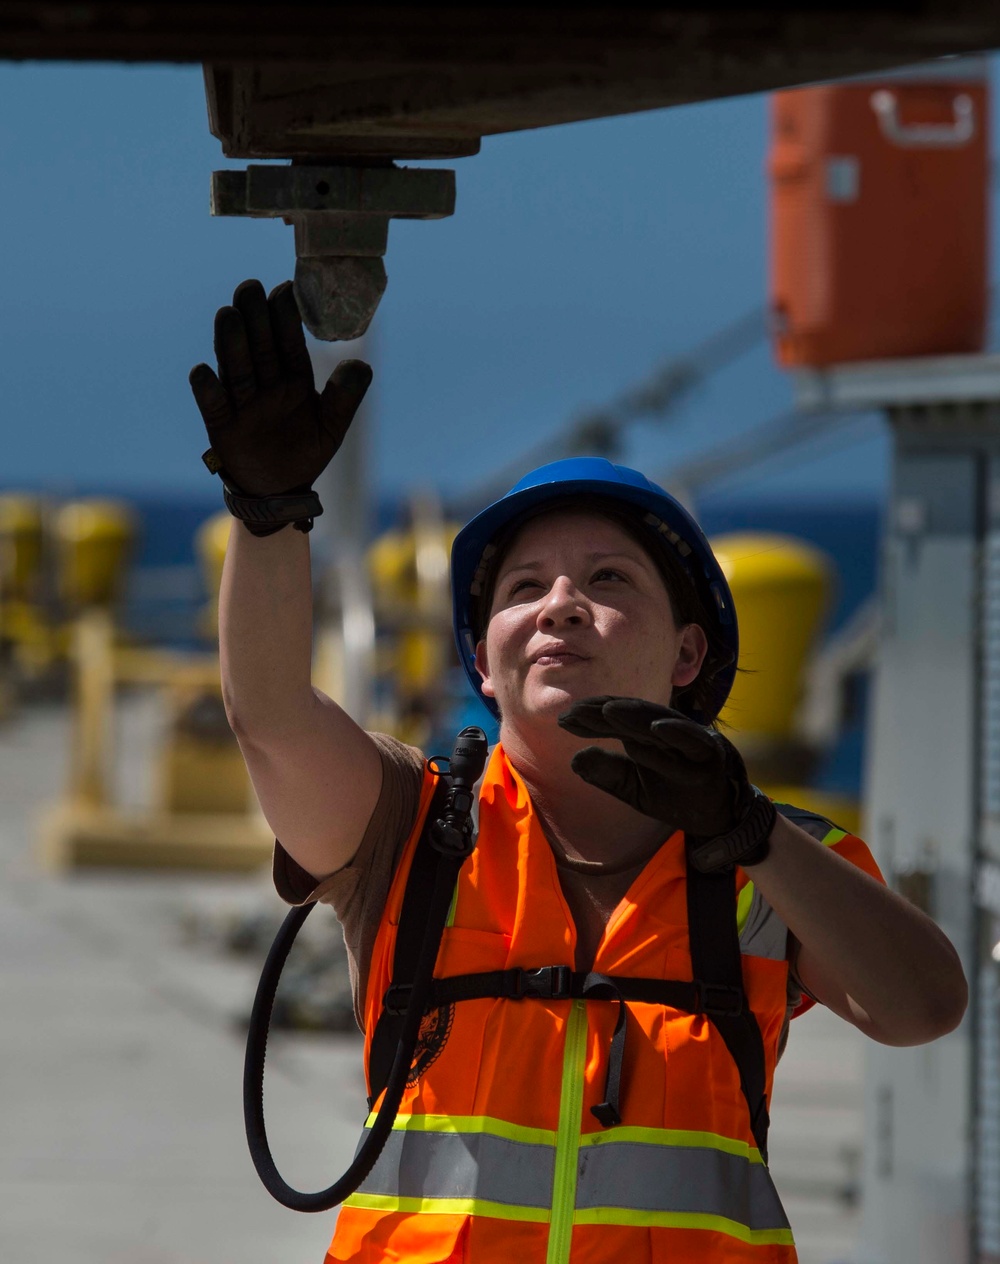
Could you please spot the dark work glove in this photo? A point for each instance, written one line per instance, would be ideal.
(272, 433)
(679, 772)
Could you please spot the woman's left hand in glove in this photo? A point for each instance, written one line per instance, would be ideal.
(677, 771)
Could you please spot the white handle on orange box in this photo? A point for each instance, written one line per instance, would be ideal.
(924, 135)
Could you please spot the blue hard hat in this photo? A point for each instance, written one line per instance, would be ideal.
(667, 519)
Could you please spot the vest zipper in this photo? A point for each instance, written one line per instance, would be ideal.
(568, 1136)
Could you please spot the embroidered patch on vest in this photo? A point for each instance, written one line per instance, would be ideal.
(435, 1028)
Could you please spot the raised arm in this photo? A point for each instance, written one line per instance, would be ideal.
(316, 773)
(863, 951)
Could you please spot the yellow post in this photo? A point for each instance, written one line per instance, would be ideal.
(93, 710)
(93, 540)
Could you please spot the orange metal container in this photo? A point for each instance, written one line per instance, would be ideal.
(879, 222)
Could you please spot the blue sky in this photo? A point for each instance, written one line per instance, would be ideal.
(577, 259)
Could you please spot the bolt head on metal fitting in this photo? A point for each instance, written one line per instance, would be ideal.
(338, 294)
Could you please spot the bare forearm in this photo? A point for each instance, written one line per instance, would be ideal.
(865, 952)
(317, 775)
(265, 627)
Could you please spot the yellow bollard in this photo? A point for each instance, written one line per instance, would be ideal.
(20, 546)
(409, 574)
(210, 542)
(32, 640)
(203, 815)
(94, 539)
(201, 767)
(782, 588)
(22, 630)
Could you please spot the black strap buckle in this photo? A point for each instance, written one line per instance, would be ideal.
(452, 840)
(452, 833)
(719, 998)
(547, 983)
(397, 998)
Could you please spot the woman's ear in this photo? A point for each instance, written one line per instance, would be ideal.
(483, 667)
(691, 651)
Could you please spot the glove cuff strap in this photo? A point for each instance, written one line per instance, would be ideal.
(264, 515)
(746, 844)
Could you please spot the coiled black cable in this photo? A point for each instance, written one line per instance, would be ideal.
(464, 770)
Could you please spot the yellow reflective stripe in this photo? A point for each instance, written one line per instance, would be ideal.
(568, 1138)
(674, 1137)
(594, 1216)
(745, 898)
(453, 908)
(470, 1123)
(626, 1180)
(447, 1207)
(685, 1220)
(743, 902)
(545, 1136)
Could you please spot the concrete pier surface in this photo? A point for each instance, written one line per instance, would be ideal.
(121, 1059)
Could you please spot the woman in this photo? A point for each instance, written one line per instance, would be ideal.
(636, 924)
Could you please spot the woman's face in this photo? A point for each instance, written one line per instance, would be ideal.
(580, 609)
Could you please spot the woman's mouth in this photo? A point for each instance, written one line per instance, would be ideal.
(557, 658)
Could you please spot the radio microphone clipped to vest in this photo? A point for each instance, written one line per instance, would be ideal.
(453, 832)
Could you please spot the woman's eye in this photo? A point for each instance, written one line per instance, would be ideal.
(607, 572)
(520, 584)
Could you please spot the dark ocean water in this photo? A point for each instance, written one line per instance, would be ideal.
(167, 593)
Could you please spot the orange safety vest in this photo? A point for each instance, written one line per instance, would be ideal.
(495, 1157)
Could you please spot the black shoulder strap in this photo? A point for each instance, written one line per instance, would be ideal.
(409, 936)
(716, 960)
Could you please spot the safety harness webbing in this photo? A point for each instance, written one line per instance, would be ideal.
(716, 991)
(715, 955)
(413, 916)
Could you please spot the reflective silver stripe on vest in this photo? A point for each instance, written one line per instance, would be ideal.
(765, 934)
(463, 1165)
(686, 1180)
(691, 1180)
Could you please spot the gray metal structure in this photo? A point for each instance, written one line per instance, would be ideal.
(345, 622)
(932, 1146)
(341, 219)
(346, 91)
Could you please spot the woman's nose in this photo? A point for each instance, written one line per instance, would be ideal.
(563, 604)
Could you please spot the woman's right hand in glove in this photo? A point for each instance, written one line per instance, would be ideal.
(271, 431)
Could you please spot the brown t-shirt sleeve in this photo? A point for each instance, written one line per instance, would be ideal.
(358, 892)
